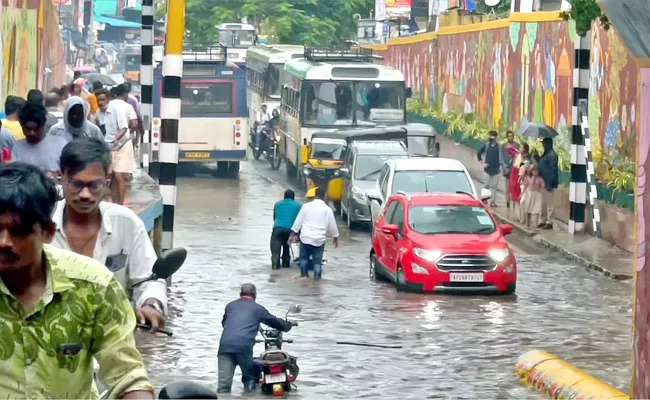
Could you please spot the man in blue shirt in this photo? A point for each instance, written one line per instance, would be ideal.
(284, 215)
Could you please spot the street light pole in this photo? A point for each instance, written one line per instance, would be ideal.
(170, 110)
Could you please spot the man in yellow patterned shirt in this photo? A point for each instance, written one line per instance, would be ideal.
(58, 309)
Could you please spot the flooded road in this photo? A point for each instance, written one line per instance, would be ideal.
(453, 346)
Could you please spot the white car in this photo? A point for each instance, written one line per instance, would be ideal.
(421, 175)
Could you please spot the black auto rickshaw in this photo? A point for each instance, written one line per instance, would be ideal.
(422, 140)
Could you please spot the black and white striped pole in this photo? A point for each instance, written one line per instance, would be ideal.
(146, 81)
(591, 171)
(578, 184)
(170, 112)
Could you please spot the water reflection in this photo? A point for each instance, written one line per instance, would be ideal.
(452, 346)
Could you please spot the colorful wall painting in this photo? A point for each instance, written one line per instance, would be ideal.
(613, 89)
(20, 49)
(509, 71)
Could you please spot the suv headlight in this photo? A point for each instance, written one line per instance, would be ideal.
(359, 195)
(499, 255)
(428, 255)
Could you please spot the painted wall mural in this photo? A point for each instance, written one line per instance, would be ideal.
(20, 32)
(506, 72)
(613, 83)
(31, 47)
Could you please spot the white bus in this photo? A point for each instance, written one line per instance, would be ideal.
(237, 38)
(264, 69)
(334, 90)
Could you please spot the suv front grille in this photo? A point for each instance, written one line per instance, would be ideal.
(466, 262)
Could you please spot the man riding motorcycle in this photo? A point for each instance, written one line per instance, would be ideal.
(109, 233)
(263, 117)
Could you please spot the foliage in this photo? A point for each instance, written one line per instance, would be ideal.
(584, 12)
(312, 22)
(623, 177)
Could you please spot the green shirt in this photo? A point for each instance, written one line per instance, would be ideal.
(82, 305)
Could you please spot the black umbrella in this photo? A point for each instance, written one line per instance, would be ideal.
(537, 131)
(97, 77)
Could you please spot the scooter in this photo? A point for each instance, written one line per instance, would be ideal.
(165, 266)
(277, 369)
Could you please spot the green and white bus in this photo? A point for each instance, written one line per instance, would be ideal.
(329, 90)
(264, 70)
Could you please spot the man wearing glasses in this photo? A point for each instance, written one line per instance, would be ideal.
(108, 232)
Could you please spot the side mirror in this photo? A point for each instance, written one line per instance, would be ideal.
(186, 390)
(486, 194)
(408, 92)
(374, 198)
(294, 309)
(390, 229)
(507, 229)
(344, 172)
(166, 265)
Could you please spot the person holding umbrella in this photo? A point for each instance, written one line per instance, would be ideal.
(548, 169)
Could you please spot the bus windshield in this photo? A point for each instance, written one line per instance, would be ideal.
(236, 38)
(199, 99)
(353, 103)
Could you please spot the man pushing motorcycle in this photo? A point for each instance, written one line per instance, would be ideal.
(241, 321)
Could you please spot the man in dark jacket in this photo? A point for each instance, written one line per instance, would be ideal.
(549, 171)
(241, 322)
(492, 167)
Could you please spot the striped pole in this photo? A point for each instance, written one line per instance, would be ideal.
(591, 171)
(578, 184)
(170, 113)
(146, 81)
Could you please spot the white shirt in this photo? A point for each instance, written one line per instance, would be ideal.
(315, 222)
(122, 231)
(263, 116)
(114, 119)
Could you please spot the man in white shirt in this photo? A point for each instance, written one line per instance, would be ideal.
(262, 117)
(117, 116)
(314, 224)
(107, 232)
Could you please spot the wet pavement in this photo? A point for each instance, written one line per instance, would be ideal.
(453, 346)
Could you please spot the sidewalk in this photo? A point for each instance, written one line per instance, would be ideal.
(584, 249)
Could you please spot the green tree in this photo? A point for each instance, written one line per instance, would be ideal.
(311, 22)
(584, 12)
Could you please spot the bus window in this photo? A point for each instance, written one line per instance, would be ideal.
(236, 38)
(274, 80)
(328, 103)
(201, 99)
(378, 96)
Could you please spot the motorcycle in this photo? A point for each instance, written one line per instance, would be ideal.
(269, 144)
(165, 266)
(277, 369)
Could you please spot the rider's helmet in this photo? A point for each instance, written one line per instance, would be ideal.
(311, 193)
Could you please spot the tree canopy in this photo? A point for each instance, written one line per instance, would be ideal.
(310, 22)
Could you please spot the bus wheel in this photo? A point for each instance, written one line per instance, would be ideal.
(222, 168)
(233, 168)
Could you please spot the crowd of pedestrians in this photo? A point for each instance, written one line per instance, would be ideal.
(531, 179)
(34, 130)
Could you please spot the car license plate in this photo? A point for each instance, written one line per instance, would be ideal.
(465, 277)
(200, 154)
(276, 378)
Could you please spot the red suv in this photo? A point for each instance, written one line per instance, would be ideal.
(442, 242)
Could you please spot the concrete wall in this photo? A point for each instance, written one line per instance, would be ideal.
(30, 43)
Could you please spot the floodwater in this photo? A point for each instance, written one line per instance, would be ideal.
(453, 346)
